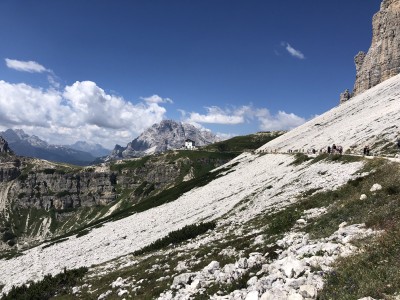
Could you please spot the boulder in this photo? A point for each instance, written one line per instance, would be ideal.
(375, 187)
(211, 267)
(292, 267)
(345, 96)
(252, 295)
(274, 295)
(183, 279)
(295, 297)
(242, 263)
(308, 291)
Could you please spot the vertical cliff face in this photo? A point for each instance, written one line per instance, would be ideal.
(383, 58)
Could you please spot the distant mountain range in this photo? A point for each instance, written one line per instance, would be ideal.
(95, 150)
(163, 136)
(160, 137)
(80, 153)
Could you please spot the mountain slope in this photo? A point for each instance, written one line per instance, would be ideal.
(250, 186)
(371, 118)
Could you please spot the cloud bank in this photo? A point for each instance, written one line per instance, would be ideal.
(84, 111)
(81, 111)
(245, 114)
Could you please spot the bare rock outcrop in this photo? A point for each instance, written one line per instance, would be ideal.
(9, 164)
(383, 58)
(345, 96)
(4, 146)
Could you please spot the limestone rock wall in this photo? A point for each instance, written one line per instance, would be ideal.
(63, 191)
(383, 58)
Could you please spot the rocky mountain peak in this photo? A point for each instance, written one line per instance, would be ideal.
(382, 61)
(163, 136)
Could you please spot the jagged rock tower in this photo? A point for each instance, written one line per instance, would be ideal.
(4, 146)
(383, 58)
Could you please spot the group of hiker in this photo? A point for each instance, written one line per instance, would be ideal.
(334, 149)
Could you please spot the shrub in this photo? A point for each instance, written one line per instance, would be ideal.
(140, 189)
(7, 236)
(83, 232)
(392, 190)
(178, 236)
(62, 194)
(49, 171)
(283, 221)
(55, 242)
(21, 195)
(113, 179)
(23, 177)
(299, 158)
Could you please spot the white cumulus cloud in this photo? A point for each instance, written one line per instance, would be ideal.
(293, 52)
(279, 121)
(25, 66)
(245, 114)
(216, 115)
(81, 111)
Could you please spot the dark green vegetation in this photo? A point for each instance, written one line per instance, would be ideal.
(244, 143)
(129, 164)
(374, 272)
(301, 158)
(337, 158)
(48, 287)
(178, 236)
(55, 242)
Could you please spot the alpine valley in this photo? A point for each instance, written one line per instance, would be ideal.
(268, 216)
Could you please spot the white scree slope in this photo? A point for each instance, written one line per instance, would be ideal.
(114, 239)
(366, 119)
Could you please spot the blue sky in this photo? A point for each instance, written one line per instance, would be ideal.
(105, 70)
